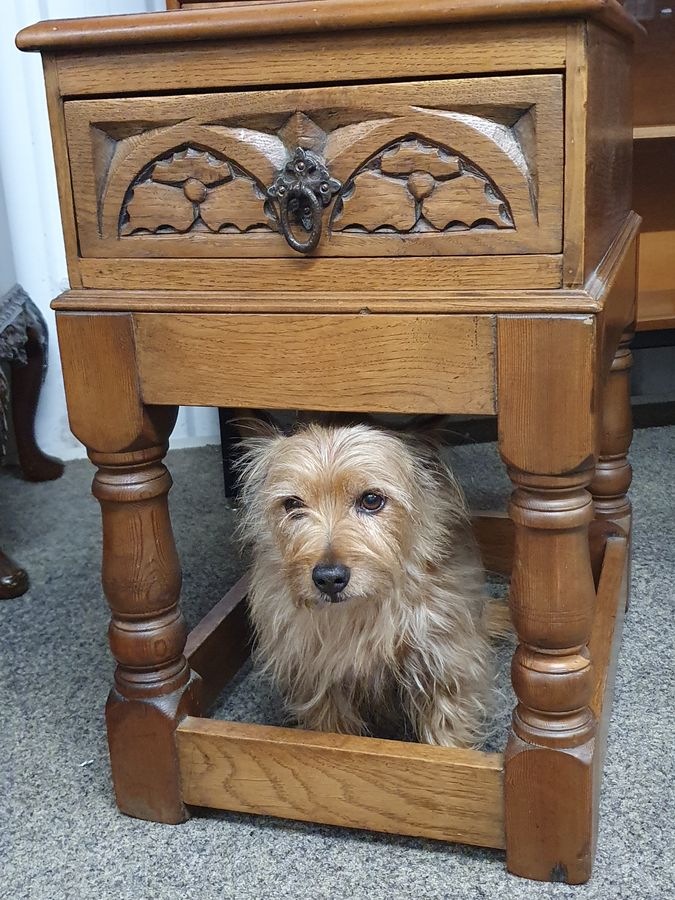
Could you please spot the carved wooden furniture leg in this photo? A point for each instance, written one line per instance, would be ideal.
(613, 473)
(154, 687)
(549, 791)
(13, 579)
(26, 383)
(23, 342)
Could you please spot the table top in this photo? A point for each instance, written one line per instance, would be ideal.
(253, 18)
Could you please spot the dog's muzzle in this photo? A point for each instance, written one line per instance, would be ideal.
(331, 580)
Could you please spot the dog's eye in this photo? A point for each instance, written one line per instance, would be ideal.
(372, 502)
(293, 503)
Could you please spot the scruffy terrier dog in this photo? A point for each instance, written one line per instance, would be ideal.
(367, 592)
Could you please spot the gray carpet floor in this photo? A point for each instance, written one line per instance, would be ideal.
(60, 834)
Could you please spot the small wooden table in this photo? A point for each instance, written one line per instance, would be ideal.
(383, 206)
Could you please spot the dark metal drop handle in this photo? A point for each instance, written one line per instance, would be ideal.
(311, 212)
(302, 188)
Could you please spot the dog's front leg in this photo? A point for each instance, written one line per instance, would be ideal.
(447, 712)
(332, 709)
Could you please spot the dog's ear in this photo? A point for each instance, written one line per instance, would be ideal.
(426, 443)
(426, 433)
(436, 431)
(255, 423)
(257, 431)
(250, 464)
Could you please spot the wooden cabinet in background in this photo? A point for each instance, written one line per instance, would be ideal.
(654, 162)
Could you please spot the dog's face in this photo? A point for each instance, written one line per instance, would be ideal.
(346, 510)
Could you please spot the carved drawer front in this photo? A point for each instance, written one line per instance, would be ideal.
(449, 167)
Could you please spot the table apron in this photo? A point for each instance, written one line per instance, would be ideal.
(356, 363)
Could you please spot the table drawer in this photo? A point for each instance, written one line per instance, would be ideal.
(447, 167)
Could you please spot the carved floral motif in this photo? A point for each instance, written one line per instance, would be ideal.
(417, 186)
(193, 190)
(413, 185)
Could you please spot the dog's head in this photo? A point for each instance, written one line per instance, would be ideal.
(346, 512)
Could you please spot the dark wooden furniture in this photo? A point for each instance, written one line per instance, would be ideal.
(23, 346)
(13, 579)
(454, 178)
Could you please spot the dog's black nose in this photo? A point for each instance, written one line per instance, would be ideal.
(331, 579)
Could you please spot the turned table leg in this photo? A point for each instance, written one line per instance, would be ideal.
(154, 687)
(549, 785)
(613, 473)
(547, 438)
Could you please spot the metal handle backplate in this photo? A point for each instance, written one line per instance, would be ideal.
(302, 189)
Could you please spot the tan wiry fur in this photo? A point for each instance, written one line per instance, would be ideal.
(409, 633)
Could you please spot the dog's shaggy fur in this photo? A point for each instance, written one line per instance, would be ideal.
(408, 633)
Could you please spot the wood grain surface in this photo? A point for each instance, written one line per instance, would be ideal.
(220, 643)
(614, 284)
(105, 410)
(576, 94)
(656, 301)
(613, 472)
(153, 687)
(354, 363)
(513, 115)
(547, 365)
(394, 274)
(347, 57)
(550, 785)
(413, 301)
(354, 782)
(605, 640)
(57, 124)
(244, 19)
(654, 78)
(609, 142)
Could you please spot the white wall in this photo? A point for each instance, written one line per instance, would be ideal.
(35, 257)
(7, 273)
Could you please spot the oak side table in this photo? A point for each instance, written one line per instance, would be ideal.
(381, 206)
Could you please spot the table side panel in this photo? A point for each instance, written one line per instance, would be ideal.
(353, 363)
(57, 124)
(598, 146)
(617, 293)
(609, 150)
